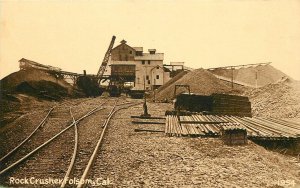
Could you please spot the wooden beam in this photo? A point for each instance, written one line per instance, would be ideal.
(141, 117)
(148, 130)
(238, 66)
(202, 122)
(148, 122)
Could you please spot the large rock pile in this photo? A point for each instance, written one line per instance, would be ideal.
(266, 74)
(279, 100)
(200, 82)
(26, 87)
(35, 83)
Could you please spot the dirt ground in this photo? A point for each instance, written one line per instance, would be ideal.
(143, 159)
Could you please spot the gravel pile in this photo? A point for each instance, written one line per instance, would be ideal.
(200, 82)
(36, 83)
(279, 100)
(170, 82)
(267, 74)
(32, 84)
(10, 82)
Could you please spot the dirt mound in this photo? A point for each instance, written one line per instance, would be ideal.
(42, 89)
(279, 100)
(10, 82)
(266, 74)
(36, 83)
(200, 82)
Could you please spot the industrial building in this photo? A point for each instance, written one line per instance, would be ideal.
(141, 70)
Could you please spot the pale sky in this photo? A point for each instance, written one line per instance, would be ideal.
(74, 35)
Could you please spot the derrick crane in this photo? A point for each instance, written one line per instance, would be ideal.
(105, 59)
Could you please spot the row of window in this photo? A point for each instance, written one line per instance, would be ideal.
(126, 59)
(147, 77)
(143, 62)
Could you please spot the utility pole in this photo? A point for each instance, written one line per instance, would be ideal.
(145, 114)
(256, 77)
(232, 77)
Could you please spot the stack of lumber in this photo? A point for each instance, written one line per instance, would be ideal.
(220, 104)
(173, 127)
(194, 125)
(213, 125)
(266, 128)
(231, 105)
(234, 135)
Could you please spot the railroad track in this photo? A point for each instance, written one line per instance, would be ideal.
(82, 162)
(41, 136)
(27, 138)
(26, 122)
(67, 131)
(13, 165)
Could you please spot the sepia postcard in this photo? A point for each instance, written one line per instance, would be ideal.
(150, 93)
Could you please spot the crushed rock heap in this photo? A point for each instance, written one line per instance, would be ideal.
(200, 81)
(266, 74)
(278, 100)
(34, 82)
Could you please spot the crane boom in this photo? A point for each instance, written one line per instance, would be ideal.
(105, 59)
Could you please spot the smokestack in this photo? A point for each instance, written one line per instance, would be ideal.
(152, 51)
(84, 72)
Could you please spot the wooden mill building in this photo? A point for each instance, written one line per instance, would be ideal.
(135, 67)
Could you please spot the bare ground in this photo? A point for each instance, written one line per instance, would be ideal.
(134, 159)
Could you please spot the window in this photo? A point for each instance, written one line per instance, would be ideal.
(143, 62)
(157, 67)
(148, 62)
(147, 77)
(126, 57)
(148, 81)
(120, 57)
(157, 76)
(130, 52)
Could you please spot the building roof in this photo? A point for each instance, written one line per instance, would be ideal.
(148, 56)
(122, 45)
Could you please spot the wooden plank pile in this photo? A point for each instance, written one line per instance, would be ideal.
(173, 127)
(234, 135)
(266, 128)
(213, 125)
(231, 105)
(194, 125)
(217, 104)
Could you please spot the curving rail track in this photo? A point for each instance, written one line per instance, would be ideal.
(13, 165)
(99, 142)
(84, 151)
(84, 155)
(26, 139)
